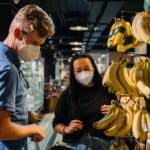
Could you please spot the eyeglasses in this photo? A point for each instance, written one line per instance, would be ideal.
(25, 81)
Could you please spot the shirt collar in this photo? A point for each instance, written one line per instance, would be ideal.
(10, 54)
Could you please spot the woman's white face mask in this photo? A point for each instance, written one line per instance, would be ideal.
(29, 52)
(84, 77)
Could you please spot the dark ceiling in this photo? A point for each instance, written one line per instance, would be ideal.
(96, 15)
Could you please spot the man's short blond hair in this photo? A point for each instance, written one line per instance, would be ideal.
(31, 17)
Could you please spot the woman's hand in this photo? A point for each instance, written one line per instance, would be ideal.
(73, 126)
(105, 109)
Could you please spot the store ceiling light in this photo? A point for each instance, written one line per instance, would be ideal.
(16, 1)
(76, 43)
(96, 28)
(78, 28)
(76, 49)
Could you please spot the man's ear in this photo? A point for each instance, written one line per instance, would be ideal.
(18, 34)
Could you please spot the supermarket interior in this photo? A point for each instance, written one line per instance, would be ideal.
(109, 38)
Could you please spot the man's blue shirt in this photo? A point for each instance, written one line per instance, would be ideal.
(12, 92)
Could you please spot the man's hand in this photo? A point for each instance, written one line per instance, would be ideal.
(12, 131)
(38, 134)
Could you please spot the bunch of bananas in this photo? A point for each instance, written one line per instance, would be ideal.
(135, 82)
(141, 125)
(118, 122)
(121, 37)
(140, 76)
(141, 27)
(118, 80)
(110, 79)
(124, 121)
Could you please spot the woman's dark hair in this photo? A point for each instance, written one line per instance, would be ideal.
(74, 87)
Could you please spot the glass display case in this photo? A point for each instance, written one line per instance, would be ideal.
(101, 60)
(34, 74)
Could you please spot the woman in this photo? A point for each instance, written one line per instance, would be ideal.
(82, 103)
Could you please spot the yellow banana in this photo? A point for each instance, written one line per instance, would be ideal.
(107, 120)
(111, 36)
(147, 116)
(116, 34)
(106, 81)
(143, 89)
(125, 130)
(116, 124)
(145, 37)
(126, 81)
(122, 47)
(140, 146)
(144, 71)
(146, 74)
(128, 28)
(109, 43)
(119, 36)
(132, 73)
(148, 135)
(111, 78)
(119, 39)
(144, 124)
(137, 72)
(137, 130)
(135, 31)
(145, 27)
(115, 80)
(146, 23)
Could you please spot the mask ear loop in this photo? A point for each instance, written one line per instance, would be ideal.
(22, 35)
(30, 28)
(25, 81)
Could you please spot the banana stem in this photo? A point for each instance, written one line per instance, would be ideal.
(131, 98)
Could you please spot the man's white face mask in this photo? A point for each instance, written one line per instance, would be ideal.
(29, 52)
(84, 77)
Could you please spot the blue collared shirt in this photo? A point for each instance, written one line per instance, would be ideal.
(12, 92)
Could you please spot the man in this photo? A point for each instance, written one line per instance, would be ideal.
(27, 32)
